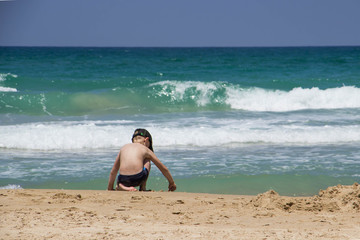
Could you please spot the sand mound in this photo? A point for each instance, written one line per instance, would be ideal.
(269, 200)
(338, 198)
(347, 198)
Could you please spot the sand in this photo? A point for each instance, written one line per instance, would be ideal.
(80, 214)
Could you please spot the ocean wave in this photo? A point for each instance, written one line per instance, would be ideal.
(11, 186)
(202, 132)
(201, 93)
(258, 99)
(176, 96)
(3, 76)
(7, 89)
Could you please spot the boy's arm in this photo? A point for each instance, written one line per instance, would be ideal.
(113, 173)
(164, 170)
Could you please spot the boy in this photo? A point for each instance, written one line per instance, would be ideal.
(133, 164)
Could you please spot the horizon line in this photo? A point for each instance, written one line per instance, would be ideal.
(265, 46)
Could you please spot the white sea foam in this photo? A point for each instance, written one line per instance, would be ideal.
(11, 186)
(205, 136)
(201, 92)
(257, 99)
(63, 135)
(7, 89)
(3, 76)
(177, 132)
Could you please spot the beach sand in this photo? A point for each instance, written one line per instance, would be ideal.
(80, 214)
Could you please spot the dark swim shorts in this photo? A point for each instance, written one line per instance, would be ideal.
(133, 180)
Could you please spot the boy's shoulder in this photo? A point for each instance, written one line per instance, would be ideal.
(133, 146)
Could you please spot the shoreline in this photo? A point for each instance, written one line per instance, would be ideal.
(97, 214)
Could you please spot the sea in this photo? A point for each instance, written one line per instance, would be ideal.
(223, 120)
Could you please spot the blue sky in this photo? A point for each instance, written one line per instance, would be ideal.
(169, 23)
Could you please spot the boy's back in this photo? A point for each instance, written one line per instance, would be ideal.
(132, 157)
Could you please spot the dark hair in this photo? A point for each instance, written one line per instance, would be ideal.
(145, 133)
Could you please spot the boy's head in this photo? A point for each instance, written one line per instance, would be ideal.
(144, 133)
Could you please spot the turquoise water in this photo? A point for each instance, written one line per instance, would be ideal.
(224, 120)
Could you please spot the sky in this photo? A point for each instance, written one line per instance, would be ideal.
(182, 23)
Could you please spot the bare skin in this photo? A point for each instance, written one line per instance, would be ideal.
(132, 158)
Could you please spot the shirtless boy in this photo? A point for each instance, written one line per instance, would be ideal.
(133, 164)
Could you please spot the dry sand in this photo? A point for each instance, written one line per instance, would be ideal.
(78, 214)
